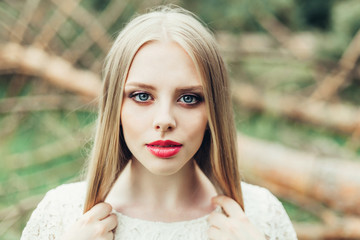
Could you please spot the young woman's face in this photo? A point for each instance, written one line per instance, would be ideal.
(163, 114)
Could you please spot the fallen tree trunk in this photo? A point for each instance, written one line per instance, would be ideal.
(36, 62)
(334, 182)
(340, 117)
(345, 228)
(44, 103)
(333, 82)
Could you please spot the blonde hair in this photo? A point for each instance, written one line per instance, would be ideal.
(217, 155)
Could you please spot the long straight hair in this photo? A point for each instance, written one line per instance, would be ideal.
(217, 155)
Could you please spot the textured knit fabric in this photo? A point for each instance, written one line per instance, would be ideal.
(62, 206)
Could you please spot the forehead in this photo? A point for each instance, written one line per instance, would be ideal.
(161, 62)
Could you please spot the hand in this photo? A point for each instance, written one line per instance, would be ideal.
(96, 224)
(232, 224)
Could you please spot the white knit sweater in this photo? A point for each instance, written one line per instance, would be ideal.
(62, 206)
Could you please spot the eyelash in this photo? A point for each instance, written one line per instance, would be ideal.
(135, 95)
(196, 98)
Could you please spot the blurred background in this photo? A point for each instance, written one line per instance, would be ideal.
(295, 72)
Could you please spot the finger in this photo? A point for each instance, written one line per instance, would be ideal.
(215, 233)
(230, 207)
(110, 222)
(109, 236)
(99, 211)
(217, 220)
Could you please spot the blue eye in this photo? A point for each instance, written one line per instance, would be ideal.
(141, 97)
(189, 99)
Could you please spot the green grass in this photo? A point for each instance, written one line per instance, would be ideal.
(293, 133)
(34, 131)
(298, 214)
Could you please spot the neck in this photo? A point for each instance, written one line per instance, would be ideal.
(137, 192)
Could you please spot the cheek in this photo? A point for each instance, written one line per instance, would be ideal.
(131, 118)
(196, 123)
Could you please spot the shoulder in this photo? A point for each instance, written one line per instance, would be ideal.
(256, 196)
(266, 212)
(60, 207)
(67, 192)
(258, 202)
(71, 195)
(66, 200)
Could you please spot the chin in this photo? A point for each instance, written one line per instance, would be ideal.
(164, 171)
(166, 167)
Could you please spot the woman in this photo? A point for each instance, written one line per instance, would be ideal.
(164, 163)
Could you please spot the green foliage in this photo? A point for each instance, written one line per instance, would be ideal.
(345, 22)
(331, 46)
(346, 18)
(99, 5)
(69, 32)
(351, 93)
(291, 133)
(271, 73)
(313, 13)
(9, 11)
(297, 214)
(34, 132)
(238, 16)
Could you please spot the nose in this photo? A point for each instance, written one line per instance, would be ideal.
(164, 120)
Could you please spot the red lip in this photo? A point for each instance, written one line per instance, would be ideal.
(164, 149)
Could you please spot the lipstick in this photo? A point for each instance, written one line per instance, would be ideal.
(164, 149)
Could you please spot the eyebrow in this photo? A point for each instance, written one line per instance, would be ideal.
(196, 88)
(140, 85)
